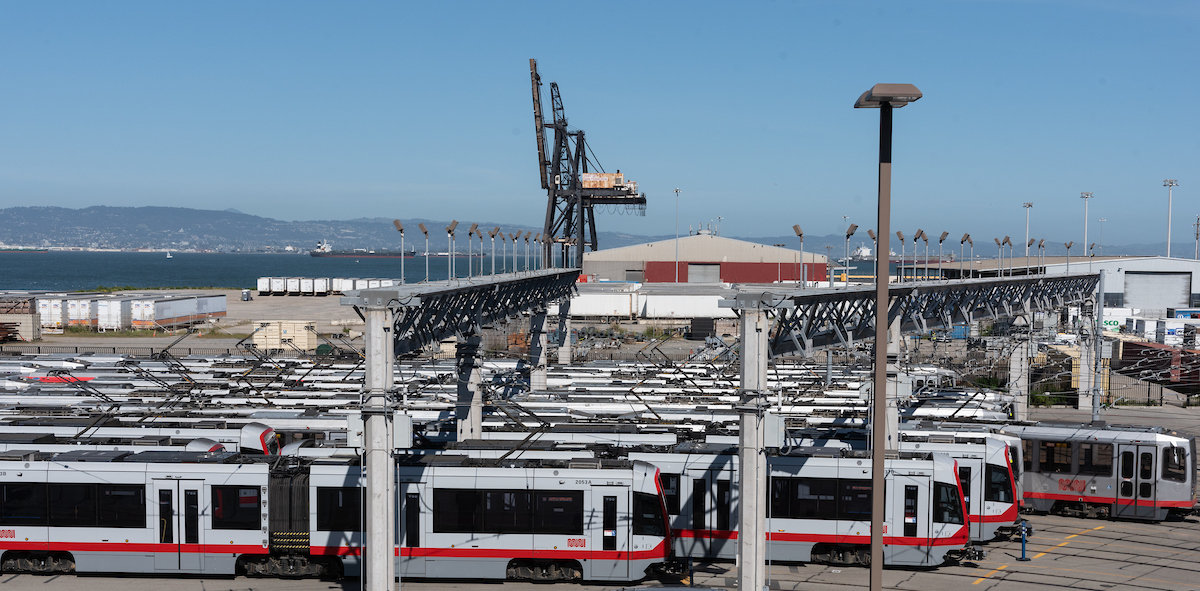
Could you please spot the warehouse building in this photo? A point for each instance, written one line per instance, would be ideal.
(704, 258)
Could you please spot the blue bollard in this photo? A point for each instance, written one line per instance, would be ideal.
(1023, 558)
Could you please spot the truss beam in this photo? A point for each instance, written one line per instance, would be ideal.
(821, 319)
(428, 313)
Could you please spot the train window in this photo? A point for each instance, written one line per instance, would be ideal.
(1146, 468)
(999, 485)
(507, 511)
(1055, 456)
(1096, 458)
(235, 507)
(1127, 464)
(814, 498)
(1027, 446)
(724, 505)
(964, 481)
(699, 507)
(339, 508)
(947, 506)
(191, 517)
(456, 510)
(412, 520)
(166, 516)
(22, 503)
(1174, 464)
(780, 495)
(670, 488)
(647, 515)
(72, 505)
(121, 505)
(559, 512)
(854, 500)
(910, 511)
(1012, 457)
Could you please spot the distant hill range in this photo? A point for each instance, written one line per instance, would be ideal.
(181, 228)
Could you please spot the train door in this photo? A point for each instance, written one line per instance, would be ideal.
(697, 545)
(906, 520)
(177, 528)
(610, 541)
(1136, 482)
(412, 560)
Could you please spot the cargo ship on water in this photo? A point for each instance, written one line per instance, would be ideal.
(325, 249)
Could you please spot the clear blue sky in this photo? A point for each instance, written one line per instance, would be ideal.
(331, 110)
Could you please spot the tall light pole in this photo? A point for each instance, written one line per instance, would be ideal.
(676, 234)
(999, 257)
(1069, 245)
(493, 233)
(1042, 256)
(1027, 205)
(961, 259)
(471, 236)
(1086, 196)
(1169, 184)
(800, 234)
(450, 244)
(849, 232)
(1028, 244)
(425, 231)
(942, 239)
(924, 237)
(1101, 241)
(875, 248)
(884, 97)
(400, 229)
(900, 271)
(1008, 241)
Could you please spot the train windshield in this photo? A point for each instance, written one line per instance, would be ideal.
(272, 444)
(947, 505)
(999, 485)
(648, 518)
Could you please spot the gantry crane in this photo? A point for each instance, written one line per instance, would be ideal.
(572, 190)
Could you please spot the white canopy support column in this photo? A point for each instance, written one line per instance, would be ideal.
(564, 332)
(752, 459)
(538, 342)
(469, 409)
(380, 567)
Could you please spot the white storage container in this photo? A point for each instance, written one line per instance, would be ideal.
(81, 312)
(372, 283)
(306, 286)
(363, 284)
(278, 285)
(321, 286)
(293, 286)
(113, 314)
(210, 306)
(53, 313)
(264, 285)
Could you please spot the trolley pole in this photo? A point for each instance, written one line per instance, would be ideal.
(380, 568)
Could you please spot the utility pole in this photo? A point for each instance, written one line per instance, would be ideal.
(676, 234)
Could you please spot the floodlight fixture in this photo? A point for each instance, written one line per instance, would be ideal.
(943, 237)
(850, 231)
(797, 230)
(399, 226)
(424, 230)
(895, 95)
(871, 233)
(451, 227)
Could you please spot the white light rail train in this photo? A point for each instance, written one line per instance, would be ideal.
(220, 513)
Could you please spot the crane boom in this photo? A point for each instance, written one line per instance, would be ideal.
(539, 125)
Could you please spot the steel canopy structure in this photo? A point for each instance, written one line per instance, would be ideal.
(820, 319)
(429, 312)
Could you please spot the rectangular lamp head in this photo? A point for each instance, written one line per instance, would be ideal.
(897, 95)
